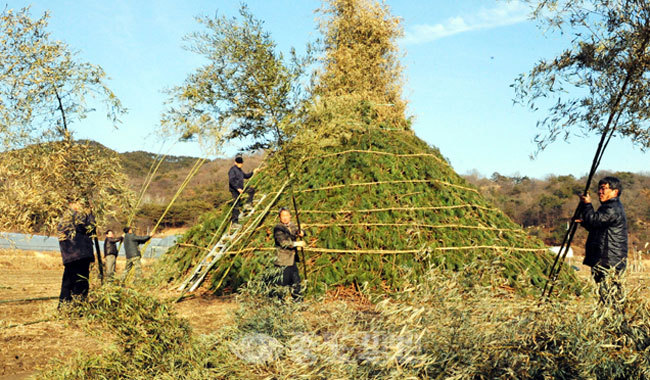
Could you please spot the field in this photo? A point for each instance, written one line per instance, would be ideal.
(25, 348)
(32, 334)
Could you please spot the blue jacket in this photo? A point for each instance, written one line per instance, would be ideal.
(236, 178)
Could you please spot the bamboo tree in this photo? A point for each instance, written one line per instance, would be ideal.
(580, 87)
(44, 87)
(359, 82)
(44, 90)
(246, 87)
(247, 90)
(604, 74)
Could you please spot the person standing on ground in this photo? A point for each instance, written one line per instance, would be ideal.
(606, 248)
(286, 235)
(236, 177)
(76, 229)
(131, 243)
(110, 253)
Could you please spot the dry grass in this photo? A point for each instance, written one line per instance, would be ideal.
(453, 325)
(24, 345)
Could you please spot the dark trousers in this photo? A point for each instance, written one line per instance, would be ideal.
(610, 290)
(291, 277)
(75, 280)
(234, 218)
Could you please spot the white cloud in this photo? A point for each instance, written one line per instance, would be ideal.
(504, 14)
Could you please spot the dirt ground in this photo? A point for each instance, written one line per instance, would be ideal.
(31, 335)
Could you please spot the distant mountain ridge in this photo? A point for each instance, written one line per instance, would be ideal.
(207, 189)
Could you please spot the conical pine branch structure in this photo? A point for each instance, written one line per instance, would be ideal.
(377, 212)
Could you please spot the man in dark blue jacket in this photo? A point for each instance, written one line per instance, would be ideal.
(236, 177)
(76, 229)
(606, 248)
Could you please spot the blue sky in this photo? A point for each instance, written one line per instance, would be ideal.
(460, 59)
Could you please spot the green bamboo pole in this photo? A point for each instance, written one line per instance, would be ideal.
(427, 208)
(30, 323)
(197, 165)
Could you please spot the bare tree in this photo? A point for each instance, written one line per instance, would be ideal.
(600, 83)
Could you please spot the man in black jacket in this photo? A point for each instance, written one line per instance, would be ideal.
(76, 229)
(110, 253)
(606, 248)
(236, 177)
(131, 243)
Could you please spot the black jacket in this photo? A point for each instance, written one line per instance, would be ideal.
(131, 242)
(75, 236)
(607, 240)
(236, 178)
(110, 246)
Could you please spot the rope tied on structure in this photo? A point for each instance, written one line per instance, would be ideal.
(435, 156)
(387, 183)
(395, 251)
(424, 208)
(412, 225)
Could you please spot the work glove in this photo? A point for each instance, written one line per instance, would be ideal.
(299, 243)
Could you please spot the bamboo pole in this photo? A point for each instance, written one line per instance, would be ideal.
(413, 225)
(608, 132)
(435, 156)
(190, 175)
(30, 323)
(155, 165)
(417, 225)
(389, 182)
(29, 299)
(396, 251)
(197, 165)
(252, 227)
(192, 246)
(153, 169)
(427, 208)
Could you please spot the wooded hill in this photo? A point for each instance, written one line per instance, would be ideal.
(543, 206)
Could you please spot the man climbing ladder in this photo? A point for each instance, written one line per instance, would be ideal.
(236, 177)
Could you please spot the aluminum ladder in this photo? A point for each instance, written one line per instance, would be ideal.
(217, 252)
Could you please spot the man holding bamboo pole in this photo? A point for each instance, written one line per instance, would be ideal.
(110, 252)
(76, 230)
(131, 243)
(606, 249)
(287, 240)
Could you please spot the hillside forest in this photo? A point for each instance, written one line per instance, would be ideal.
(543, 206)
